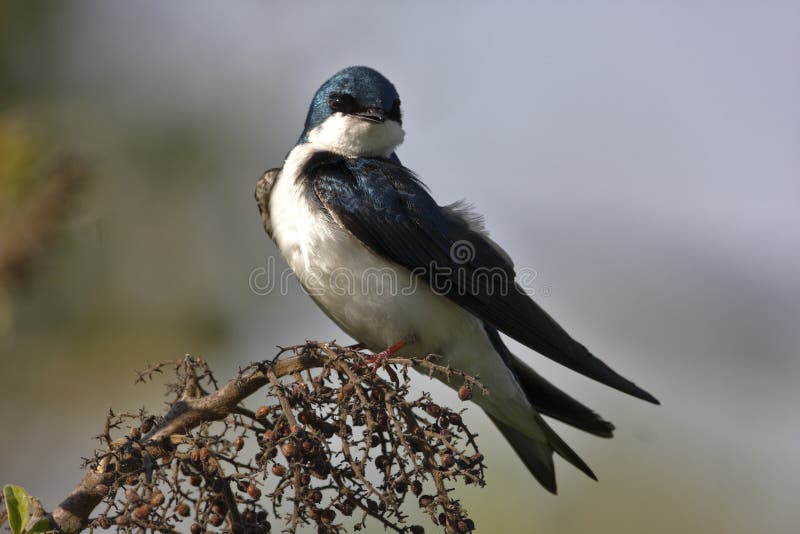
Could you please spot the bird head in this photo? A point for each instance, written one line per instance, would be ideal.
(356, 113)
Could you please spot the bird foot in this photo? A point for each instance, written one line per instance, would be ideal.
(377, 360)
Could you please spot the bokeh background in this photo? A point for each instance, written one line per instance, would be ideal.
(643, 158)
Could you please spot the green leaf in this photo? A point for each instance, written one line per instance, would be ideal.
(17, 506)
(42, 525)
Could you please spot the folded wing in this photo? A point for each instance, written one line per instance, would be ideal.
(388, 209)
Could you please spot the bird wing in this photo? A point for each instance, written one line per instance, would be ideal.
(262, 193)
(388, 209)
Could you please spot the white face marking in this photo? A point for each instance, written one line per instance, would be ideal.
(353, 137)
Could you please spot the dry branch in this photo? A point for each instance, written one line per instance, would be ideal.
(334, 439)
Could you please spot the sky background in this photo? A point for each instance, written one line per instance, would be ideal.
(641, 157)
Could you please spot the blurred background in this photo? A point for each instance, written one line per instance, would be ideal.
(642, 157)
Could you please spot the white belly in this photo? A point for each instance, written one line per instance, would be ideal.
(378, 303)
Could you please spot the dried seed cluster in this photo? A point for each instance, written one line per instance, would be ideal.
(333, 445)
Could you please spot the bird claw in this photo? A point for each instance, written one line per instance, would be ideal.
(376, 361)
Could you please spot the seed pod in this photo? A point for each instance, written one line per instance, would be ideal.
(212, 466)
(253, 491)
(121, 520)
(215, 519)
(442, 518)
(132, 496)
(218, 485)
(183, 510)
(313, 513)
(381, 461)
(433, 410)
(204, 454)
(141, 511)
(268, 435)
(462, 527)
(238, 444)
(131, 480)
(157, 499)
(307, 446)
(134, 433)
(195, 480)
(102, 489)
(372, 506)
(288, 448)
(278, 470)
(250, 516)
(465, 392)
(425, 501)
(321, 470)
(400, 486)
(305, 479)
(194, 456)
(448, 461)
(470, 524)
(220, 507)
(262, 412)
(315, 496)
(104, 522)
(416, 487)
(345, 391)
(328, 515)
(454, 418)
(196, 528)
(476, 458)
(261, 516)
(347, 508)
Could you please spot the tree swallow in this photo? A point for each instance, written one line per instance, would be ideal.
(401, 274)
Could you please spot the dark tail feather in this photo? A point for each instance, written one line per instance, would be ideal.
(551, 401)
(547, 398)
(535, 328)
(564, 450)
(537, 457)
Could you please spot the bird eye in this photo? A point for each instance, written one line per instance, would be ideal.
(395, 113)
(343, 102)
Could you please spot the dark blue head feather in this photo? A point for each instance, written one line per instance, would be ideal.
(368, 88)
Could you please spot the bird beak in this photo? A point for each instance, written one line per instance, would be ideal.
(372, 115)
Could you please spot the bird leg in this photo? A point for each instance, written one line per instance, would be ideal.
(377, 359)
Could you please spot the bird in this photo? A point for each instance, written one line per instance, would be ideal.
(402, 275)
